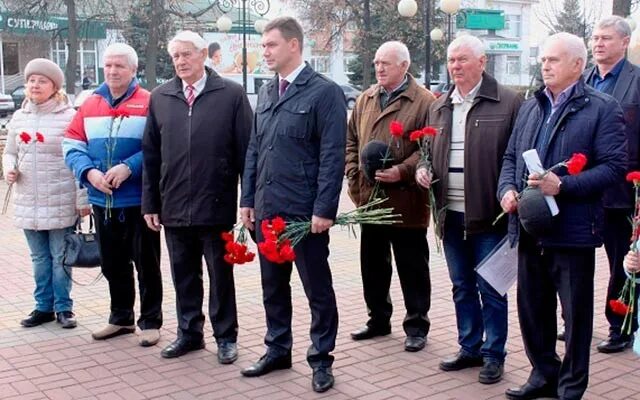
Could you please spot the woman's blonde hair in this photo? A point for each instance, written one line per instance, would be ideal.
(60, 96)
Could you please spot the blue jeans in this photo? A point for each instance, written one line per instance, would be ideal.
(479, 308)
(53, 285)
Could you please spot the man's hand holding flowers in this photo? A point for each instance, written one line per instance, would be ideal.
(117, 174)
(548, 183)
(98, 181)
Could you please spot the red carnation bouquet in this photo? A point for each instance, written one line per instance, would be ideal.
(281, 236)
(575, 164)
(117, 115)
(237, 251)
(419, 136)
(29, 142)
(626, 301)
(396, 130)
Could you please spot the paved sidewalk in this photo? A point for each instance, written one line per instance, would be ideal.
(48, 362)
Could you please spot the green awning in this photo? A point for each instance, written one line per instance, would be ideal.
(36, 25)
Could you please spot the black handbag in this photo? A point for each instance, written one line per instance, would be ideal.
(81, 249)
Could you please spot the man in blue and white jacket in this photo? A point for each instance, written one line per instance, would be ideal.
(103, 147)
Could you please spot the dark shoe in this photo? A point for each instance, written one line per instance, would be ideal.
(369, 332)
(491, 372)
(67, 319)
(460, 361)
(561, 335)
(414, 343)
(227, 352)
(322, 379)
(615, 344)
(528, 391)
(181, 347)
(37, 318)
(266, 364)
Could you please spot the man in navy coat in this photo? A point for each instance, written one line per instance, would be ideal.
(293, 169)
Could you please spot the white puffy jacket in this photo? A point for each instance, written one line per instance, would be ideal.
(45, 195)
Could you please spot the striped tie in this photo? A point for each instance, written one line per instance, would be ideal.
(190, 95)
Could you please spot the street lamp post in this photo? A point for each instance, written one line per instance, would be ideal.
(224, 23)
(449, 7)
(409, 8)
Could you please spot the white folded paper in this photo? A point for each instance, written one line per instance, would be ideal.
(500, 267)
(534, 164)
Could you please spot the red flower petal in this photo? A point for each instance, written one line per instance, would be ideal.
(416, 135)
(633, 177)
(396, 128)
(25, 137)
(576, 163)
(39, 137)
(429, 131)
(227, 236)
(278, 225)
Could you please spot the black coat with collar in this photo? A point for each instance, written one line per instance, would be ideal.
(194, 156)
(295, 159)
(627, 92)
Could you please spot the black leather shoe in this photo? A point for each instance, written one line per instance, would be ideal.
(414, 343)
(227, 352)
(491, 372)
(369, 332)
(181, 347)
(37, 318)
(615, 344)
(528, 392)
(460, 361)
(67, 319)
(561, 335)
(266, 364)
(322, 379)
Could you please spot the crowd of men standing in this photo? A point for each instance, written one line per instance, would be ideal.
(173, 158)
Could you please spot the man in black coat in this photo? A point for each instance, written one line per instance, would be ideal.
(194, 146)
(294, 170)
(565, 117)
(617, 77)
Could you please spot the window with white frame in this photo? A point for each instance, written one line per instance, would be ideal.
(513, 25)
(87, 59)
(513, 65)
(348, 58)
(320, 64)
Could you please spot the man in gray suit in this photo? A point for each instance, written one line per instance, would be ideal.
(614, 75)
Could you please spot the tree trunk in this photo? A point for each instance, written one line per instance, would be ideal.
(621, 8)
(366, 57)
(72, 46)
(151, 51)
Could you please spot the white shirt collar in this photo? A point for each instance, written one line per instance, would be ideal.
(457, 98)
(198, 86)
(293, 75)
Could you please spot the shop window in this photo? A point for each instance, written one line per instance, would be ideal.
(513, 65)
(10, 55)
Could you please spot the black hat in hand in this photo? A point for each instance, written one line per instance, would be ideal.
(534, 212)
(375, 155)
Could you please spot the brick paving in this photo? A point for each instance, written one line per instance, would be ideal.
(48, 362)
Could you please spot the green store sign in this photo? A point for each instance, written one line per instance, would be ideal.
(30, 25)
(503, 46)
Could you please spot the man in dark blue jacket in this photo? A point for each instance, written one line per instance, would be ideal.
(564, 117)
(294, 170)
(616, 76)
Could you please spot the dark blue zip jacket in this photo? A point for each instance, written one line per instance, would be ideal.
(591, 123)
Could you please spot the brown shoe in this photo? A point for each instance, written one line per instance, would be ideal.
(111, 331)
(148, 337)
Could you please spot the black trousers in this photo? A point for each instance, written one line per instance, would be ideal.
(542, 273)
(617, 240)
(312, 264)
(125, 241)
(411, 253)
(186, 246)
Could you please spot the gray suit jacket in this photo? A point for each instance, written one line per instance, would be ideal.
(627, 92)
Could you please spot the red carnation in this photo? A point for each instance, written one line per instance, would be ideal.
(227, 236)
(634, 177)
(416, 135)
(287, 253)
(396, 128)
(39, 137)
(278, 225)
(429, 131)
(25, 137)
(576, 163)
(618, 307)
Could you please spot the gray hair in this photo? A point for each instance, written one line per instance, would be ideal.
(399, 49)
(616, 22)
(574, 45)
(469, 41)
(124, 50)
(189, 37)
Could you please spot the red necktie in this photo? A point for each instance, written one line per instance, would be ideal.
(191, 96)
(283, 86)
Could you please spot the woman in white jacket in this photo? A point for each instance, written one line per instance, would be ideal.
(47, 201)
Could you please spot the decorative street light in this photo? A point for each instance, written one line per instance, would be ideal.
(224, 23)
(409, 8)
(449, 7)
